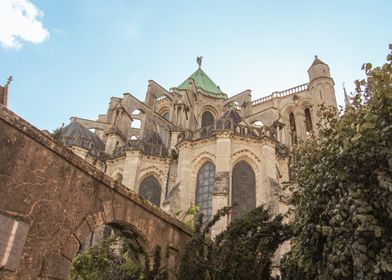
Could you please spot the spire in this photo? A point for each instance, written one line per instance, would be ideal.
(318, 69)
(346, 99)
(9, 80)
(317, 61)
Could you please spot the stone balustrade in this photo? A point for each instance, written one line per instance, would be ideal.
(280, 94)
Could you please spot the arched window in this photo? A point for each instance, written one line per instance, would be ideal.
(166, 115)
(207, 119)
(204, 186)
(308, 120)
(151, 190)
(293, 128)
(244, 189)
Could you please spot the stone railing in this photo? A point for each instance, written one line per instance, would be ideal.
(148, 148)
(279, 94)
(227, 125)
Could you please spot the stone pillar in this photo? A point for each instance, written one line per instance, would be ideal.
(173, 139)
(300, 123)
(278, 134)
(111, 143)
(187, 186)
(264, 191)
(220, 200)
(222, 179)
(132, 163)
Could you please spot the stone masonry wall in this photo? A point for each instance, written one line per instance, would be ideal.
(50, 200)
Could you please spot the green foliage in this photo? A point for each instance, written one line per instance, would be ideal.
(343, 209)
(188, 217)
(242, 251)
(57, 134)
(112, 260)
(156, 273)
(105, 262)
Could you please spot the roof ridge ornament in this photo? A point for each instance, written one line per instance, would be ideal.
(199, 60)
(9, 80)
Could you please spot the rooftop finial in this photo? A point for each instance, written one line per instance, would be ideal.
(9, 80)
(199, 60)
(315, 56)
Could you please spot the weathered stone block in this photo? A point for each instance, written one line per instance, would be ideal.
(71, 247)
(55, 267)
(13, 234)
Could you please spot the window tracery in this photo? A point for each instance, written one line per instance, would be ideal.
(207, 119)
(308, 120)
(204, 187)
(293, 128)
(150, 189)
(243, 189)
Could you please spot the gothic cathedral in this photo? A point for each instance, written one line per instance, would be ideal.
(195, 145)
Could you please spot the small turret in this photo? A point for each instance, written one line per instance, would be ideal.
(321, 85)
(318, 69)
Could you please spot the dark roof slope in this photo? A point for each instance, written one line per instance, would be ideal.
(76, 134)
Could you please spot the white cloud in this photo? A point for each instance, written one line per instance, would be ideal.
(20, 20)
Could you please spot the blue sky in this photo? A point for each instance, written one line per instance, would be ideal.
(95, 49)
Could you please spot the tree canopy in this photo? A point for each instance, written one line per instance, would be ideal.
(343, 197)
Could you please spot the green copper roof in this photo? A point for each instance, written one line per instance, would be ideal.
(204, 83)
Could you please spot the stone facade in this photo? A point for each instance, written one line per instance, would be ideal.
(191, 139)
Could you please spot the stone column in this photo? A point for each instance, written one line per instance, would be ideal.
(264, 191)
(300, 123)
(132, 165)
(187, 187)
(173, 139)
(222, 179)
(111, 141)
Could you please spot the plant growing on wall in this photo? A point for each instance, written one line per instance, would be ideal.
(343, 201)
(57, 134)
(112, 259)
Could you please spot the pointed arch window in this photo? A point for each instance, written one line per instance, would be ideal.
(293, 128)
(166, 115)
(207, 119)
(243, 189)
(308, 120)
(150, 189)
(204, 186)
